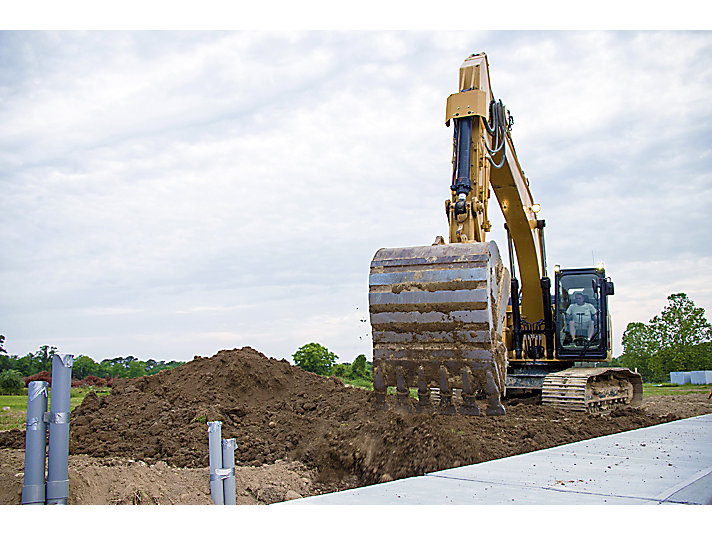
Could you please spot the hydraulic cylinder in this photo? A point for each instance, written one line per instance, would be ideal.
(463, 184)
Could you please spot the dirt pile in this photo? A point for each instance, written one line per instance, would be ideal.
(278, 411)
(273, 409)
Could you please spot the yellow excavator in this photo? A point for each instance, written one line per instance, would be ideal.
(452, 321)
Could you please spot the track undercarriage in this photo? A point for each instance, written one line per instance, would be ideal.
(592, 389)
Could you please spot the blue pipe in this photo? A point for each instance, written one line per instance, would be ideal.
(215, 455)
(228, 463)
(33, 487)
(58, 419)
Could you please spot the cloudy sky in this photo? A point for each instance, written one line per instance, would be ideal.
(166, 194)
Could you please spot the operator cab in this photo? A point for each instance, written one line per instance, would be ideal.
(581, 303)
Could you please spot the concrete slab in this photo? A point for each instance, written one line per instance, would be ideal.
(665, 464)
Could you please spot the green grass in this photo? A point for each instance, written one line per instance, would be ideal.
(650, 390)
(365, 383)
(391, 390)
(16, 417)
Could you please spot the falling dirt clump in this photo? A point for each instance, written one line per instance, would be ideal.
(283, 416)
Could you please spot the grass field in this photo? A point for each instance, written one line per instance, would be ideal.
(17, 414)
(650, 390)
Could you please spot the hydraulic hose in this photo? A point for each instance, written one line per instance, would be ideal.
(497, 127)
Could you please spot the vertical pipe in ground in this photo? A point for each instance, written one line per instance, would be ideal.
(58, 419)
(228, 463)
(33, 486)
(215, 455)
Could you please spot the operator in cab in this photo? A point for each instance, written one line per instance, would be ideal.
(581, 317)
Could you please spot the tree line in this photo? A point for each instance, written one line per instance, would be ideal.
(678, 339)
(41, 360)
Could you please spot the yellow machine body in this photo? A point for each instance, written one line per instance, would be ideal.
(441, 315)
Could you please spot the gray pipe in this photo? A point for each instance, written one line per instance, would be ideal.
(215, 454)
(33, 486)
(58, 419)
(228, 463)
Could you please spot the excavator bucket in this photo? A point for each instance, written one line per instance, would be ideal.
(437, 314)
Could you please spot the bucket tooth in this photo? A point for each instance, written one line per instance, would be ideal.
(379, 388)
(494, 406)
(468, 406)
(424, 404)
(446, 406)
(403, 403)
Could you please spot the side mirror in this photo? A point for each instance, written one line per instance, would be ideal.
(610, 289)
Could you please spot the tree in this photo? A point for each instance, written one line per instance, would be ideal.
(27, 365)
(5, 362)
(342, 370)
(639, 344)
(676, 340)
(681, 323)
(151, 367)
(84, 366)
(358, 368)
(11, 382)
(315, 358)
(135, 369)
(43, 358)
(122, 367)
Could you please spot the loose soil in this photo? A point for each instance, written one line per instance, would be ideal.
(298, 434)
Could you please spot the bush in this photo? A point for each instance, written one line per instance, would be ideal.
(341, 370)
(92, 380)
(358, 368)
(11, 382)
(43, 376)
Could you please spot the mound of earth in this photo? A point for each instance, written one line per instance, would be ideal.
(273, 409)
(279, 413)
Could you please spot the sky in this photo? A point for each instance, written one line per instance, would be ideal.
(171, 194)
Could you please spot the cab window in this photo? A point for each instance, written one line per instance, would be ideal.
(579, 320)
